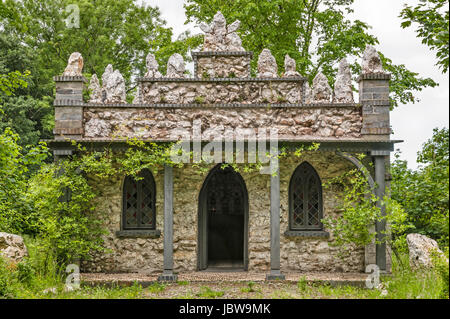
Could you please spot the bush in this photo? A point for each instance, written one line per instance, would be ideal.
(441, 268)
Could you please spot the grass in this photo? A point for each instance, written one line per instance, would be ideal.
(39, 273)
(206, 292)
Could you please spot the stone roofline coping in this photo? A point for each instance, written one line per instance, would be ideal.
(366, 76)
(65, 78)
(373, 76)
(221, 53)
(215, 80)
(281, 140)
(70, 103)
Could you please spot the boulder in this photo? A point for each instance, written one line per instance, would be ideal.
(12, 247)
(74, 66)
(421, 249)
(267, 65)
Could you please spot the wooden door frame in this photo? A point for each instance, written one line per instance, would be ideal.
(202, 240)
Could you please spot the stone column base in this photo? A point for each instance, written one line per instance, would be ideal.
(168, 277)
(275, 275)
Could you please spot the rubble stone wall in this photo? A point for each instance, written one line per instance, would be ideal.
(220, 92)
(169, 123)
(145, 255)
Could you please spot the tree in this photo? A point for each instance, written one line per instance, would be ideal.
(432, 22)
(316, 33)
(118, 32)
(25, 109)
(424, 193)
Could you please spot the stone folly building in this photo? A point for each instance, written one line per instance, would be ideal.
(177, 220)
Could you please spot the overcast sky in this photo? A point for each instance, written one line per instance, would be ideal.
(412, 123)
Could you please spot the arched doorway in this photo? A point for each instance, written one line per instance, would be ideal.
(223, 221)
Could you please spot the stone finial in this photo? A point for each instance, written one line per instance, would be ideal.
(219, 37)
(96, 91)
(290, 67)
(175, 66)
(321, 91)
(137, 98)
(74, 65)
(113, 86)
(371, 62)
(308, 93)
(343, 92)
(267, 65)
(152, 67)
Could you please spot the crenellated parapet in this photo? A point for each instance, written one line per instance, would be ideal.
(223, 93)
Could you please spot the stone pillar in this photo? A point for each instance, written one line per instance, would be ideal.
(275, 270)
(168, 274)
(69, 107)
(379, 158)
(375, 103)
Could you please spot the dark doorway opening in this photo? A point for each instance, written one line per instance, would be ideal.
(223, 221)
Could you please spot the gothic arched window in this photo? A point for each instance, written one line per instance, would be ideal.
(305, 199)
(139, 197)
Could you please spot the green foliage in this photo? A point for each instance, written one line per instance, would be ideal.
(250, 288)
(30, 118)
(207, 292)
(404, 83)
(316, 33)
(11, 81)
(424, 193)
(118, 32)
(441, 268)
(358, 212)
(15, 212)
(156, 287)
(431, 18)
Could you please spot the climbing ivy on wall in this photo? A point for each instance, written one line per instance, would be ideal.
(357, 213)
